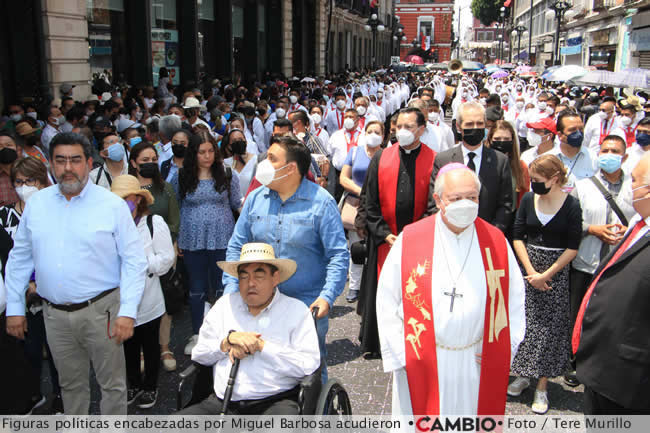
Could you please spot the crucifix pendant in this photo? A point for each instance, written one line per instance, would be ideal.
(453, 295)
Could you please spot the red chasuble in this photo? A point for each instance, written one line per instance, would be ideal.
(419, 333)
(389, 165)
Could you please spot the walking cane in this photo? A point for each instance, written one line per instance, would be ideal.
(231, 384)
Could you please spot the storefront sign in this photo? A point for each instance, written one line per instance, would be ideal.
(574, 41)
(600, 37)
(164, 53)
(572, 50)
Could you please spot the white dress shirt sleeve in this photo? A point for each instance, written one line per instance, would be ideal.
(208, 347)
(133, 269)
(19, 266)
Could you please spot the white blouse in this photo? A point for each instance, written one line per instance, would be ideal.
(160, 258)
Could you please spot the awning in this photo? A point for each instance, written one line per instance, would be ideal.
(474, 44)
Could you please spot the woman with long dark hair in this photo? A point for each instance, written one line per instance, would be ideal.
(143, 164)
(208, 194)
(233, 147)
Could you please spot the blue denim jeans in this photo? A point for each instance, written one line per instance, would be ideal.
(205, 277)
(322, 325)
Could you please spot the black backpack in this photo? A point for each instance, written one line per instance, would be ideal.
(171, 283)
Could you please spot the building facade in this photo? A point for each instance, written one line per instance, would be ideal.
(351, 45)
(484, 43)
(428, 26)
(602, 34)
(44, 43)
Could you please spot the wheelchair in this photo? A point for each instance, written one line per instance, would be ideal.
(314, 398)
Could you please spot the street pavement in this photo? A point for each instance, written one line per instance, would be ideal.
(366, 383)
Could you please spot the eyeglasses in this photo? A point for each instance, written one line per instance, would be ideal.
(21, 182)
(63, 160)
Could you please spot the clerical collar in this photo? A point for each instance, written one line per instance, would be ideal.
(407, 151)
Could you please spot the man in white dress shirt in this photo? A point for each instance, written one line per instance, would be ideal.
(602, 124)
(272, 334)
(452, 307)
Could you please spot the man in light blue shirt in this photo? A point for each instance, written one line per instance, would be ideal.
(302, 223)
(82, 243)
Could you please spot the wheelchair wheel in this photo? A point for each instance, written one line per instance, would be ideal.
(333, 400)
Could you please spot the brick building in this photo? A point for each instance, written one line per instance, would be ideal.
(484, 40)
(424, 21)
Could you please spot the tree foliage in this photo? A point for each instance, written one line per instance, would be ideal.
(487, 11)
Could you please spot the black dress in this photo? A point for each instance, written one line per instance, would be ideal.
(545, 349)
(378, 229)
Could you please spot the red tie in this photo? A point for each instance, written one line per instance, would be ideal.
(577, 329)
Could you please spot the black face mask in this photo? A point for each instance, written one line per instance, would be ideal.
(238, 147)
(502, 146)
(248, 111)
(393, 138)
(473, 136)
(8, 155)
(539, 188)
(148, 170)
(178, 150)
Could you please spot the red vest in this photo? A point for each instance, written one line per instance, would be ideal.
(419, 332)
(389, 165)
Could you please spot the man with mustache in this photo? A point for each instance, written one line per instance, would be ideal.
(90, 266)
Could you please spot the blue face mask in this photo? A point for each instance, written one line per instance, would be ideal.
(642, 138)
(610, 162)
(116, 152)
(134, 141)
(575, 138)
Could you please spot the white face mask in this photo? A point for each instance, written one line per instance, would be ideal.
(348, 124)
(504, 99)
(380, 95)
(361, 110)
(533, 139)
(461, 213)
(541, 105)
(138, 115)
(316, 118)
(16, 117)
(265, 173)
(32, 114)
(340, 104)
(280, 113)
(373, 140)
(405, 137)
(25, 192)
(550, 111)
(625, 121)
(520, 105)
(433, 116)
(293, 99)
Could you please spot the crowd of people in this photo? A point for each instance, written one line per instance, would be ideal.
(263, 201)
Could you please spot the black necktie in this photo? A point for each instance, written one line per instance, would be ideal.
(471, 164)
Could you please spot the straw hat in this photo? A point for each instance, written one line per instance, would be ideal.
(125, 185)
(259, 253)
(23, 129)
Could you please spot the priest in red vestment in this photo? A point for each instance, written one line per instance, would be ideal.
(451, 302)
(396, 194)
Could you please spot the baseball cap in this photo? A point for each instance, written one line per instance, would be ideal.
(545, 123)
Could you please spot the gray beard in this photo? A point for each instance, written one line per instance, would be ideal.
(72, 188)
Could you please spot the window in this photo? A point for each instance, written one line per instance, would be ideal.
(106, 36)
(164, 40)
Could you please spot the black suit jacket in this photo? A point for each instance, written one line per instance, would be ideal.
(495, 200)
(614, 353)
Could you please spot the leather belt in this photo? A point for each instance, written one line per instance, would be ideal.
(76, 307)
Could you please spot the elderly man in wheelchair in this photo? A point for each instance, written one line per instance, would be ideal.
(274, 338)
